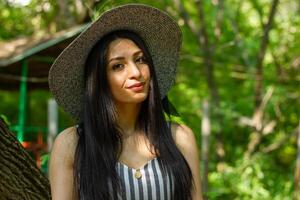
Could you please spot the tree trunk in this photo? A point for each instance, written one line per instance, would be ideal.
(219, 20)
(297, 170)
(205, 132)
(20, 177)
(84, 9)
(279, 69)
(208, 64)
(65, 18)
(243, 56)
(256, 136)
(263, 46)
(210, 79)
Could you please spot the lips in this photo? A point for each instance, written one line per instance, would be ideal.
(136, 85)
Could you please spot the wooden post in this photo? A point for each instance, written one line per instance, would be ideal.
(52, 122)
(205, 131)
(22, 102)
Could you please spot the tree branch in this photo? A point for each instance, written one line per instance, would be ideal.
(261, 55)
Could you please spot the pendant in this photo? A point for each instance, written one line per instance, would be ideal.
(138, 174)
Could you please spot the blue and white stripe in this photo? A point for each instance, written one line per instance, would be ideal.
(153, 185)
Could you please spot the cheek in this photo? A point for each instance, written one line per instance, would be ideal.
(115, 81)
(146, 73)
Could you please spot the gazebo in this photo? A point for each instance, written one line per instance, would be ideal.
(24, 66)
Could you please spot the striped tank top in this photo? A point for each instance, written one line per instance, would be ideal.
(146, 183)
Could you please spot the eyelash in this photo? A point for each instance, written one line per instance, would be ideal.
(115, 67)
(142, 58)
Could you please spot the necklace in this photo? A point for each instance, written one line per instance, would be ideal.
(138, 174)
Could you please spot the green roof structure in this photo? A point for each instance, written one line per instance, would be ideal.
(25, 63)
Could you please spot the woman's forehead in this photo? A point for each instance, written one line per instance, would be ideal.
(122, 47)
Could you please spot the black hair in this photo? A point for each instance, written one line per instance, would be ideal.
(100, 137)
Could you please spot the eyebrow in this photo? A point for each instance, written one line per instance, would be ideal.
(120, 57)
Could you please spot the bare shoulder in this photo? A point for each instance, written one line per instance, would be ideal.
(186, 142)
(64, 146)
(61, 165)
(183, 137)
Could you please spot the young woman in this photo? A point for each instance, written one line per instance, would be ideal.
(112, 79)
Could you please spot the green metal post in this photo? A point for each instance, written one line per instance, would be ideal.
(22, 101)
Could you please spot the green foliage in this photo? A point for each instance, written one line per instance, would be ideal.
(251, 179)
(14, 21)
(45, 158)
(9, 105)
(4, 118)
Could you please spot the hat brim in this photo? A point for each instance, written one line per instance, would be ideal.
(159, 31)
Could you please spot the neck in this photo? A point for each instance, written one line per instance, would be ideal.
(127, 117)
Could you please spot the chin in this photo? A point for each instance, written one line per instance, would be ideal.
(139, 98)
(132, 98)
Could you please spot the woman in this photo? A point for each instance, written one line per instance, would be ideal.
(112, 79)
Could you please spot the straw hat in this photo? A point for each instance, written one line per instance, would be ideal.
(159, 31)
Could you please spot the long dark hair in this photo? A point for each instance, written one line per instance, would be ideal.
(100, 137)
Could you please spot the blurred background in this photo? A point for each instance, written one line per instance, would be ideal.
(237, 85)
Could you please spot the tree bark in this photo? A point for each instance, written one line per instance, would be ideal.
(20, 177)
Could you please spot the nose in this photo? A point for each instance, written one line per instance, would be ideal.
(134, 71)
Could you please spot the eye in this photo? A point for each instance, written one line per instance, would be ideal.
(117, 67)
(141, 59)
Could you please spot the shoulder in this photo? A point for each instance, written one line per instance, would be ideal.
(64, 146)
(186, 142)
(184, 137)
(61, 165)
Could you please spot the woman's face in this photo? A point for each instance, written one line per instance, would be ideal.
(128, 73)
